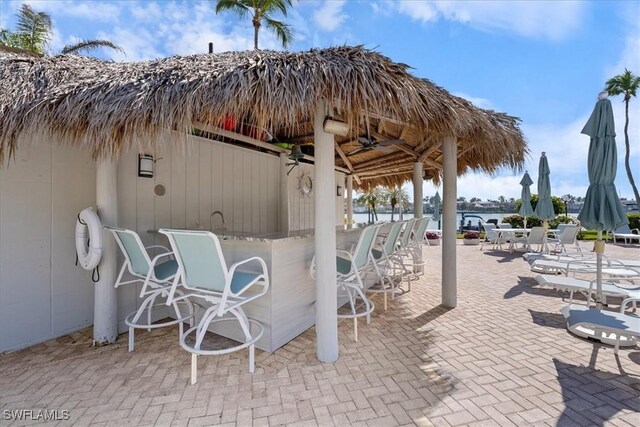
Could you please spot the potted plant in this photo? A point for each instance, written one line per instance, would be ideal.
(433, 238)
(471, 238)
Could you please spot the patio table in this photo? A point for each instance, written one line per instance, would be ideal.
(502, 231)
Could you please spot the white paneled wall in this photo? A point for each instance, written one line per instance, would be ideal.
(203, 177)
(301, 205)
(42, 293)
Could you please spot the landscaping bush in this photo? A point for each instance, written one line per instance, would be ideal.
(562, 219)
(517, 221)
(432, 236)
(634, 220)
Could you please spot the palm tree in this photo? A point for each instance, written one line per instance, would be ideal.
(626, 83)
(261, 10)
(33, 32)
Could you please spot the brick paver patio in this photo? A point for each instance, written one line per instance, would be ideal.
(503, 357)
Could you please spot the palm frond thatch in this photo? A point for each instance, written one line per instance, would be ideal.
(109, 106)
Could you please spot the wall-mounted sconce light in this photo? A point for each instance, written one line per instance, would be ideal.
(340, 191)
(145, 165)
(335, 127)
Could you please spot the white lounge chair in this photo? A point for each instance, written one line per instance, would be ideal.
(203, 273)
(586, 287)
(611, 268)
(627, 234)
(620, 326)
(155, 275)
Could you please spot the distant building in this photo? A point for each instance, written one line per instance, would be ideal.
(629, 205)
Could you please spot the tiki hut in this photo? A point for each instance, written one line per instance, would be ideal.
(262, 104)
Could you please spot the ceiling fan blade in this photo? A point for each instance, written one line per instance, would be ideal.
(358, 150)
(383, 149)
(392, 142)
(364, 140)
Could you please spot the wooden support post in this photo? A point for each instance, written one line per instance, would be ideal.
(449, 226)
(325, 242)
(105, 310)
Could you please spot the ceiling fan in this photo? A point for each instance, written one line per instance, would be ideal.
(369, 143)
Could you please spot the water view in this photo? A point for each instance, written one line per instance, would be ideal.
(433, 225)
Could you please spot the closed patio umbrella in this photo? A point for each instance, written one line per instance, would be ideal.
(544, 208)
(526, 209)
(602, 209)
(436, 208)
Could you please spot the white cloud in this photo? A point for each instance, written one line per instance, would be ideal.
(147, 12)
(420, 11)
(630, 56)
(478, 102)
(95, 10)
(552, 20)
(566, 150)
(330, 15)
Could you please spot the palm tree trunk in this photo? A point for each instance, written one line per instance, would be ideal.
(256, 29)
(626, 154)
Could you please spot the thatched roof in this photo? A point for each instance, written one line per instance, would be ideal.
(109, 106)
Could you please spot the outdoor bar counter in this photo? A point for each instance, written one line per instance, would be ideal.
(287, 310)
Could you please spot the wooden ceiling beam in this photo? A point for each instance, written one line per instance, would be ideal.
(388, 157)
(395, 163)
(347, 162)
(239, 137)
(408, 150)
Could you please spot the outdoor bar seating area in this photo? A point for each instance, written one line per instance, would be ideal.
(240, 286)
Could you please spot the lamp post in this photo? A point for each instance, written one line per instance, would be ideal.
(565, 199)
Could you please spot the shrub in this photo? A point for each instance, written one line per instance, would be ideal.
(562, 219)
(471, 235)
(432, 236)
(634, 220)
(517, 221)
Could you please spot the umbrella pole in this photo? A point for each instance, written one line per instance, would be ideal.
(599, 250)
(545, 227)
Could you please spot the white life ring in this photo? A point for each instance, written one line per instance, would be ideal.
(88, 239)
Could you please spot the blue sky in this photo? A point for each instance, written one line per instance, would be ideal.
(544, 62)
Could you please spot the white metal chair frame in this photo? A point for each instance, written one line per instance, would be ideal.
(351, 281)
(384, 263)
(626, 233)
(535, 237)
(413, 237)
(223, 302)
(144, 271)
(568, 236)
(491, 236)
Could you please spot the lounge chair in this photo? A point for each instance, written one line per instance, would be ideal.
(611, 268)
(599, 323)
(385, 262)
(586, 287)
(589, 258)
(155, 275)
(203, 273)
(627, 234)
